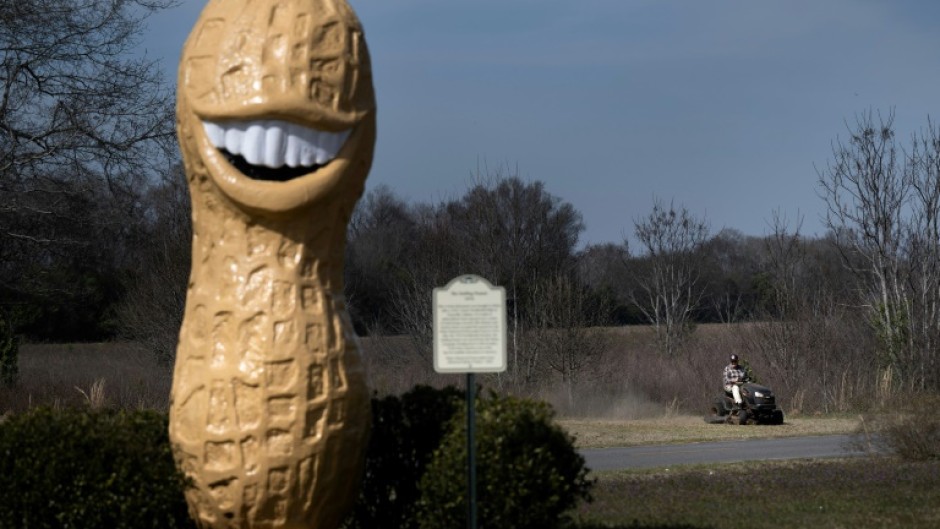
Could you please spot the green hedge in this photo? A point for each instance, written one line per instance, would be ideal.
(89, 469)
(405, 432)
(9, 348)
(83, 468)
(528, 471)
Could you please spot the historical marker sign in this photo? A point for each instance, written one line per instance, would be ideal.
(469, 326)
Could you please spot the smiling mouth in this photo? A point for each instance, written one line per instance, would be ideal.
(274, 150)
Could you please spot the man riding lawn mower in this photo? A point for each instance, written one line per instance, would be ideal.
(743, 401)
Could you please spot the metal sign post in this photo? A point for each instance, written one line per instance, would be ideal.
(471, 452)
(470, 337)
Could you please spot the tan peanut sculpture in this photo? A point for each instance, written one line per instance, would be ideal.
(276, 121)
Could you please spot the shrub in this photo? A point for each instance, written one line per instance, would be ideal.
(109, 469)
(529, 473)
(908, 426)
(89, 469)
(9, 348)
(405, 432)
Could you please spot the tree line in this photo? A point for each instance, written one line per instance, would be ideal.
(95, 233)
(86, 131)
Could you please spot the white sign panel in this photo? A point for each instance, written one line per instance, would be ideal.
(469, 327)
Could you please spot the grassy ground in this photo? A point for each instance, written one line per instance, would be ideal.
(591, 433)
(849, 493)
(876, 492)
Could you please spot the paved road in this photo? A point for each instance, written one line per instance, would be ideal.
(719, 452)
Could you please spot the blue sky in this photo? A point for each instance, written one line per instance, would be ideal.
(726, 107)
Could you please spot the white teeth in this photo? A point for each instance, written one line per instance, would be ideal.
(292, 151)
(253, 144)
(274, 144)
(215, 133)
(274, 147)
(233, 139)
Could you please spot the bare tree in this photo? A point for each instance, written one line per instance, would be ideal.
(730, 261)
(924, 252)
(75, 103)
(669, 289)
(85, 125)
(781, 330)
(152, 309)
(785, 262)
(413, 293)
(426, 262)
(602, 268)
(884, 207)
(513, 233)
(382, 240)
(559, 329)
(510, 229)
(865, 192)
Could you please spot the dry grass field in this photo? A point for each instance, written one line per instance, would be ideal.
(102, 374)
(121, 375)
(629, 379)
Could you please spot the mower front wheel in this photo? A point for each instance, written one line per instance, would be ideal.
(739, 417)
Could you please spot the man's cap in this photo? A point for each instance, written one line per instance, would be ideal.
(734, 358)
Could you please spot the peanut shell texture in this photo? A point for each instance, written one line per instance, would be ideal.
(269, 412)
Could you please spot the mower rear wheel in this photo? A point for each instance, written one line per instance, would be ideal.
(714, 419)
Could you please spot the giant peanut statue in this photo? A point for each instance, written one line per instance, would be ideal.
(276, 119)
